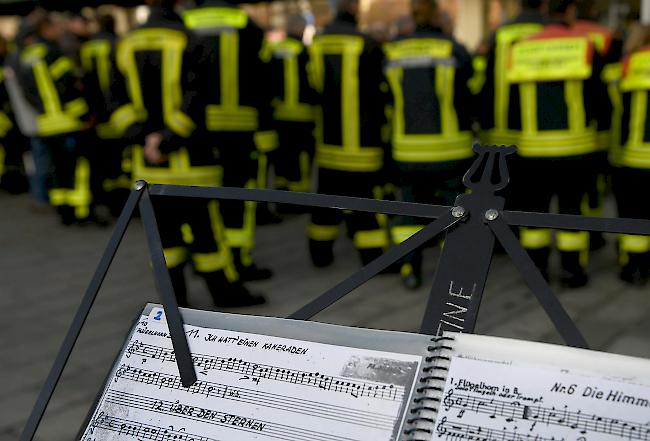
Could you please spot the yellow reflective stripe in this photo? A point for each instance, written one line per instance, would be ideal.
(175, 256)
(534, 238)
(367, 159)
(350, 95)
(400, 233)
(107, 131)
(186, 233)
(209, 262)
(231, 118)
(636, 151)
(220, 238)
(81, 197)
(244, 237)
(5, 124)
(46, 88)
(528, 98)
(636, 73)
(477, 81)
(58, 196)
(573, 94)
(122, 182)
(171, 44)
(266, 141)
(550, 143)
(229, 68)
(322, 233)
(634, 244)
(179, 172)
(395, 76)
(60, 67)
(299, 112)
(100, 52)
(572, 240)
(556, 59)
(506, 36)
(125, 116)
(370, 239)
(304, 184)
(215, 17)
(432, 148)
(76, 107)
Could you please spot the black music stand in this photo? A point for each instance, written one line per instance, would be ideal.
(472, 224)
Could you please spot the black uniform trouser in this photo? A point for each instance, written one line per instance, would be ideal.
(112, 185)
(598, 185)
(240, 161)
(293, 158)
(71, 192)
(368, 231)
(536, 181)
(633, 201)
(12, 172)
(428, 183)
(193, 229)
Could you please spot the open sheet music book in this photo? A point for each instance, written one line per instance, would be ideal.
(265, 378)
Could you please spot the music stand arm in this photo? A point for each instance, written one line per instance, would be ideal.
(376, 266)
(537, 284)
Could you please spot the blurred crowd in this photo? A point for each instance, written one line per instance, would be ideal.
(201, 95)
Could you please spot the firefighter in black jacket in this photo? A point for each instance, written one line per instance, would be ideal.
(346, 72)
(562, 99)
(428, 73)
(237, 114)
(159, 61)
(53, 88)
(104, 90)
(293, 114)
(500, 121)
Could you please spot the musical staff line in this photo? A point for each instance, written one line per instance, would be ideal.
(218, 418)
(260, 371)
(513, 410)
(455, 431)
(141, 430)
(266, 399)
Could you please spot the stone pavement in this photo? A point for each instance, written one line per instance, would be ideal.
(45, 269)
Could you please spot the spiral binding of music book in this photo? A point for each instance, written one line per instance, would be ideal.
(421, 418)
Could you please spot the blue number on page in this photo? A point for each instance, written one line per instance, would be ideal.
(158, 315)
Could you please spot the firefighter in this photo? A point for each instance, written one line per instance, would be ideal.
(158, 61)
(500, 122)
(428, 73)
(237, 115)
(104, 89)
(346, 72)
(51, 85)
(633, 161)
(293, 113)
(558, 74)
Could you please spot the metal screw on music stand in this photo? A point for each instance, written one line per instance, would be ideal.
(139, 185)
(491, 214)
(458, 211)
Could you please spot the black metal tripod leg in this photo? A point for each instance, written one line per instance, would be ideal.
(166, 291)
(533, 278)
(373, 268)
(80, 318)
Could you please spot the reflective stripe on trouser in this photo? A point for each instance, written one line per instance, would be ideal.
(205, 262)
(79, 197)
(631, 244)
(534, 238)
(370, 239)
(399, 233)
(244, 237)
(574, 241)
(323, 233)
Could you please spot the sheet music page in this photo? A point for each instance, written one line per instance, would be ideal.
(491, 400)
(251, 387)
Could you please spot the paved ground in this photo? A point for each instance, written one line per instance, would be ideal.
(45, 269)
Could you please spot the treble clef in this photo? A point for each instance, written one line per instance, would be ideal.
(132, 349)
(440, 428)
(448, 401)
